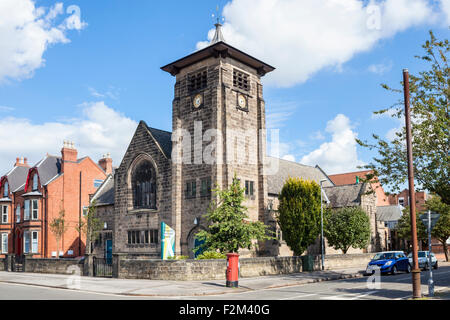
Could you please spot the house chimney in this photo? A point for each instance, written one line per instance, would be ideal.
(68, 152)
(21, 162)
(106, 163)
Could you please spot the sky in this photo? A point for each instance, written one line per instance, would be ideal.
(89, 70)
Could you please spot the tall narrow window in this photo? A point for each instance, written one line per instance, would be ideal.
(35, 182)
(6, 190)
(18, 214)
(26, 240)
(144, 186)
(34, 210)
(191, 189)
(5, 214)
(26, 214)
(34, 242)
(4, 243)
(206, 187)
(249, 188)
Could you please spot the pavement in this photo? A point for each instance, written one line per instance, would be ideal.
(159, 288)
(248, 287)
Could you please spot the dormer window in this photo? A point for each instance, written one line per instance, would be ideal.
(5, 190)
(35, 182)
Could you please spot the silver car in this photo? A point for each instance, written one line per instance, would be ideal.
(424, 260)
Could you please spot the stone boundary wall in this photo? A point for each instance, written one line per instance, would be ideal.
(55, 266)
(342, 261)
(186, 270)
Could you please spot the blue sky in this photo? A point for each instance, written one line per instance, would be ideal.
(105, 76)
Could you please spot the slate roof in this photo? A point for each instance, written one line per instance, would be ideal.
(389, 213)
(164, 139)
(49, 168)
(345, 196)
(105, 193)
(17, 177)
(289, 169)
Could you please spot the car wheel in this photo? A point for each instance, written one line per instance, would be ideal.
(436, 265)
(394, 270)
(408, 269)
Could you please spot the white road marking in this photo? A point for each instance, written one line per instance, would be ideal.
(300, 296)
(363, 295)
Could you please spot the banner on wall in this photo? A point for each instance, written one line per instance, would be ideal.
(167, 241)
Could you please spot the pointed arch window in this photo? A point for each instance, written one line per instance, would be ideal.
(144, 185)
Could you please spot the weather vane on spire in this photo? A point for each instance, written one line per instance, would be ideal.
(218, 36)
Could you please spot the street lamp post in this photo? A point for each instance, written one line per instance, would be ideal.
(430, 267)
(321, 225)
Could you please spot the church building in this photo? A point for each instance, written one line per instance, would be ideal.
(218, 133)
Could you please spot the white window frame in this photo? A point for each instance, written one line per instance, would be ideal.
(26, 236)
(34, 209)
(34, 242)
(35, 182)
(5, 214)
(6, 190)
(18, 213)
(27, 210)
(4, 243)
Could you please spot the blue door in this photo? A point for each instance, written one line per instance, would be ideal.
(108, 253)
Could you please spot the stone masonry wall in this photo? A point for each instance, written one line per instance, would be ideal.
(187, 270)
(55, 266)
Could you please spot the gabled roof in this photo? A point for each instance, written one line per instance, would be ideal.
(49, 168)
(163, 138)
(17, 177)
(389, 213)
(345, 196)
(105, 193)
(348, 178)
(215, 50)
(289, 169)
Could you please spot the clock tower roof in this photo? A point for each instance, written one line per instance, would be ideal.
(218, 48)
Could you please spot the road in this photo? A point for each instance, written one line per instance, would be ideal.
(391, 287)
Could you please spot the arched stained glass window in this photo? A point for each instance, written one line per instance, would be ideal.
(144, 186)
(5, 189)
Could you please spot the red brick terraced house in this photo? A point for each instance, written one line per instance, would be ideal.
(34, 196)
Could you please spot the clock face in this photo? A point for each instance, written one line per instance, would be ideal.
(242, 101)
(198, 101)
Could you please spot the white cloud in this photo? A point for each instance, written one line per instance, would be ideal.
(380, 68)
(279, 113)
(26, 32)
(289, 157)
(340, 154)
(301, 38)
(6, 109)
(98, 130)
(445, 6)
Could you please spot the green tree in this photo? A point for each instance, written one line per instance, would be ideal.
(441, 230)
(347, 227)
(58, 228)
(90, 226)
(430, 118)
(403, 227)
(230, 228)
(299, 213)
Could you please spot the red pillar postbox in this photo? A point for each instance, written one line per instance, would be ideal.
(232, 270)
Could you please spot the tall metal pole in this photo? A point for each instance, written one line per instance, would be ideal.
(321, 228)
(417, 292)
(430, 278)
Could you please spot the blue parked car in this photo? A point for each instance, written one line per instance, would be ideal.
(389, 262)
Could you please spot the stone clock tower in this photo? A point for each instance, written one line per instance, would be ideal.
(219, 132)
